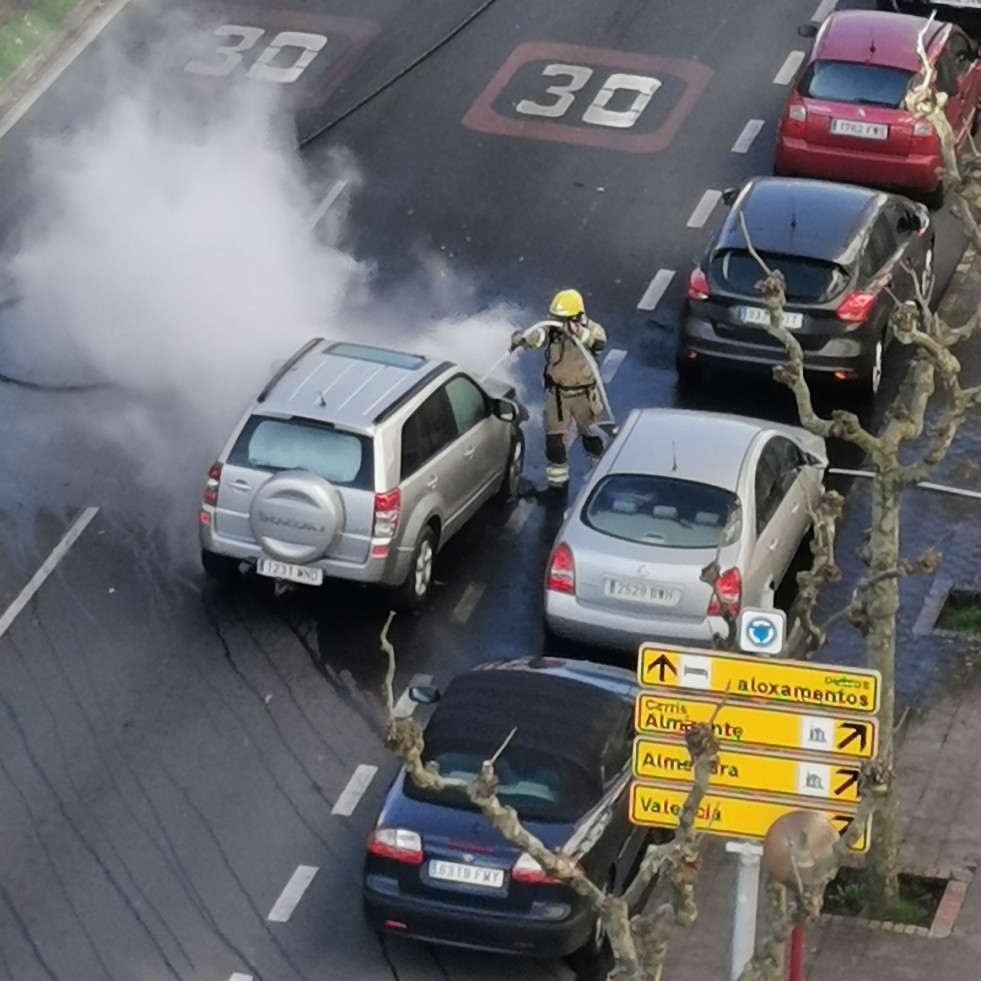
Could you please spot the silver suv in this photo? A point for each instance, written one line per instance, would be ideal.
(358, 463)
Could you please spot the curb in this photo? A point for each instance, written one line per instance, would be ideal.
(944, 918)
(28, 82)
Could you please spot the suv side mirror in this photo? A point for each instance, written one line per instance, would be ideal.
(807, 30)
(505, 410)
(729, 195)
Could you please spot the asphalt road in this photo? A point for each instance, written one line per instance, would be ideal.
(171, 754)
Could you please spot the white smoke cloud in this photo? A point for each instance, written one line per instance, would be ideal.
(172, 260)
(176, 258)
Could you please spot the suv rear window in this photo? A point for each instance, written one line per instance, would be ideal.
(273, 444)
(808, 280)
(662, 511)
(858, 84)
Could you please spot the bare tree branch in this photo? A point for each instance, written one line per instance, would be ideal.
(856, 610)
(824, 569)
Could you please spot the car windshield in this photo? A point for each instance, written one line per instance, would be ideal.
(536, 786)
(808, 280)
(297, 444)
(662, 511)
(856, 83)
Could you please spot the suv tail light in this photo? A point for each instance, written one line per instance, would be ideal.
(855, 308)
(698, 287)
(923, 128)
(211, 487)
(728, 593)
(797, 112)
(527, 869)
(561, 571)
(396, 843)
(387, 509)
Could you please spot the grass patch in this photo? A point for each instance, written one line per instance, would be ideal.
(23, 35)
(919, 897)
(961, 613)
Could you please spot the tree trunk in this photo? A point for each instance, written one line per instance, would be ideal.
(882, 875)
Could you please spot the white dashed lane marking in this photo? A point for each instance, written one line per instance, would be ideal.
(468, 602)
(241, 977)
(745, 139)
(611, 362)
(283, 908)
(354, 791)
(404, 707)
(654, 292)
(789, 68)
(704, 208)
(824, 8)
(336, 190)
(47, 567)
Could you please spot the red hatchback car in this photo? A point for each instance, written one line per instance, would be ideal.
(845, 119)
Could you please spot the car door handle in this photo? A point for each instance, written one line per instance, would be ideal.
(469, 451)
(432, 482)
(774, 544)
(241, 484)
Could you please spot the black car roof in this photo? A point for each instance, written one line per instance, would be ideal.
(813, 219)
(568, 719)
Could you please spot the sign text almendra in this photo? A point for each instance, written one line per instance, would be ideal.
(662, 762)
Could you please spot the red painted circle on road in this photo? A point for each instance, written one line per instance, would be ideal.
(574, 67)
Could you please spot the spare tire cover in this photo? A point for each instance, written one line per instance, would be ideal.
(296, 516)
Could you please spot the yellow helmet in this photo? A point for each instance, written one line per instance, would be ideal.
(567, 303)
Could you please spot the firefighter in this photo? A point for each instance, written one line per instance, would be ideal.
(570, 380)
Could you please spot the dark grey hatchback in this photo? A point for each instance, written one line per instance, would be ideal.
(848, 255)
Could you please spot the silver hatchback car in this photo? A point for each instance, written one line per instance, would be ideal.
(675, 491)
(358, 463)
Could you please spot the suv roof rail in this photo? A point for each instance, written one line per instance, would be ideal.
(290, 362)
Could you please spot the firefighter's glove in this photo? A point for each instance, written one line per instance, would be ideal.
(517, 340)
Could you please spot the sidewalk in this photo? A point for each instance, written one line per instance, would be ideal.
(938, 759)
(939, 802)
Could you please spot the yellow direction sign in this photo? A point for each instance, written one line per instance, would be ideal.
(720, 814)
(826, 686)
(781, 728)
(742, 770)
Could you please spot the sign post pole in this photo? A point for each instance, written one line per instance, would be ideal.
(747, 900)
(797, 954)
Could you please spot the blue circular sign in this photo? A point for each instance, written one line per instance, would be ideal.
(761, 631)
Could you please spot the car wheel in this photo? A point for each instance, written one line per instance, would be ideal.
(934, 199)
(552, 644)
(414, 592)
(689, 374)
(929, 277)
(511, 480)
(871, 377)
(592, 959)
(221, 568)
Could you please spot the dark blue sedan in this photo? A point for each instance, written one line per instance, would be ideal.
(437, 871)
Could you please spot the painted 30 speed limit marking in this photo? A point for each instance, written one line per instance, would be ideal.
(566, 93)
(282, 48)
